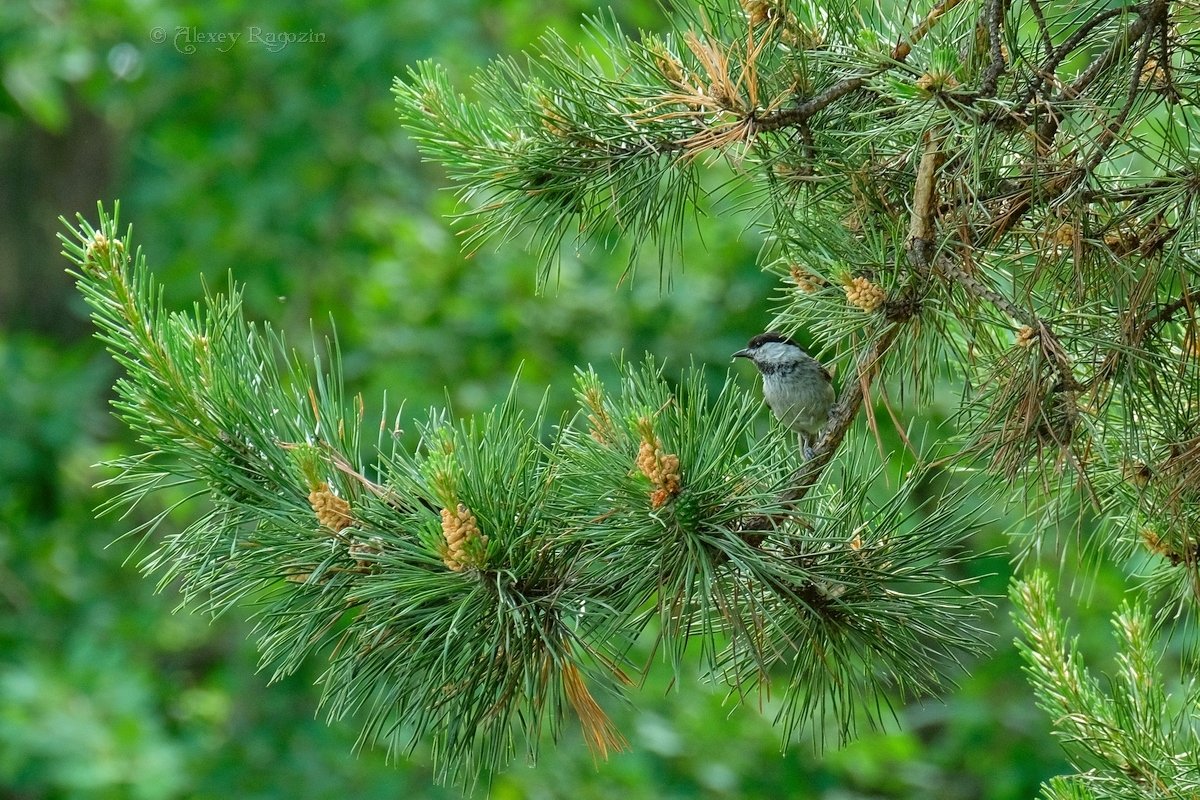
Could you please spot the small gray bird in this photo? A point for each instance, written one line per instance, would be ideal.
(797, 388)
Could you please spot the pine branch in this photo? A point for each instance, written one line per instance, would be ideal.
(1129, 743)
(475, 593)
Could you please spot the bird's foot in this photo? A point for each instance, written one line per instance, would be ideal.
(805, 448)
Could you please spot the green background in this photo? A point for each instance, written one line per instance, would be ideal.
(286, 167)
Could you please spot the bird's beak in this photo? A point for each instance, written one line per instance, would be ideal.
(741, 354)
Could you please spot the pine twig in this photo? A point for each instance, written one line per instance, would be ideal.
(1048, 68)
(1164, 314)
(920, 227)
(843, 413)
(1148, 15)
(995, 23)
(788, 117)
(1108, 136)
(1135, 337)
(1043, 30)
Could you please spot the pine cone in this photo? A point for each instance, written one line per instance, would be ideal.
(465, 545)
(332, 512)
(864, 294)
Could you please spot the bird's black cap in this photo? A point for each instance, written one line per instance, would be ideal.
(761, 339)
(770, 336)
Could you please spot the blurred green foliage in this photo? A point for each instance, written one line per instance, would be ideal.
(286, 167)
